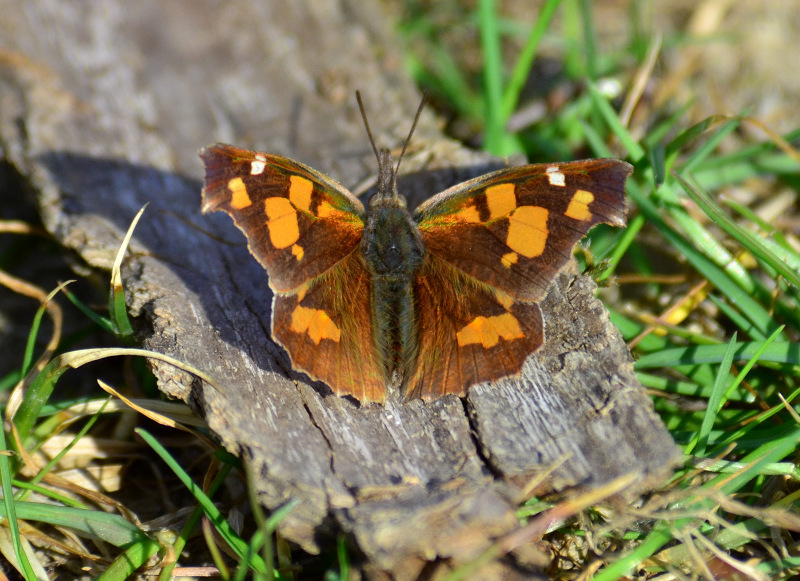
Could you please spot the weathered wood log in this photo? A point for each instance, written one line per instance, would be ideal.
(102, 109)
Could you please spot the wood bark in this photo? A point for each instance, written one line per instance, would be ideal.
(103, 107)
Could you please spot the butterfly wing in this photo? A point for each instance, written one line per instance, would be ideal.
(298, 222)
(469, 332)
(326, 328)
(517, 227)
(477, 310)
(305, 230)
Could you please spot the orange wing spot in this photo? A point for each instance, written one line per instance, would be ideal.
(503, 299)
(527, 230)
(281, 222)
(501, 200)
(487, 331)
(578, 208)
(509, 259)
(298, 252)
(327, 210)
(300, 193)
(239, 197)
(468, 214)
(315, 323)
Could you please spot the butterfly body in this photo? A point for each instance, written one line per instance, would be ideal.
(431, 302)
(393, 251)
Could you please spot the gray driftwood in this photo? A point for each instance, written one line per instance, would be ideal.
(102, 109)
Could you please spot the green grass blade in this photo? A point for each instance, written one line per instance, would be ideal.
(621, 247)
(42, 384)
(745, 238)
(783, 352)
(769, 453)
(93, 524)
(663, 128)
(738, 319)
(711, 144)
(496, 139)
(589, 39)
(50, 494)
(344, 558)
(180, 543)
(128, 562)
(492, 76)
(661, 534)
(36, 396)
(714, 402)
(448, 81)
(30, 345)
(679, 143)
(222, 526)
(81, 433)
(118, 311)
(609, 115)
(101, 322)
(748, 306)
(524, 63)
(10, 511)
(27, 360)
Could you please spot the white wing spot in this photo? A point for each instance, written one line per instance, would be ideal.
(257, 167)
(556, 177)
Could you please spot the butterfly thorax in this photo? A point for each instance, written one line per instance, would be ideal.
(393, 250)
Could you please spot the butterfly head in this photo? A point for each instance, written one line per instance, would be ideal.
(386, 195)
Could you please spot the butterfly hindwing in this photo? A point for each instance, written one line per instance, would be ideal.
(516, 228)
(469, 332)
(326, 330)
(298, 222)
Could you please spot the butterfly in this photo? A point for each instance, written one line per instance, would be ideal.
(428, 302)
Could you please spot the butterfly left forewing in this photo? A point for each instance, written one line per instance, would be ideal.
(298, 222)
(517, 227)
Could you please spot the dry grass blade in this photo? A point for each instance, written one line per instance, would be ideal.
(55, 480)
(7, 550)
(175, 411)
(20, 227)
(639, 83)
(541, 524)
(779, 141)
(155, 416)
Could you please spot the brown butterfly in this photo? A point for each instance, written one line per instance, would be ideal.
(431, 302)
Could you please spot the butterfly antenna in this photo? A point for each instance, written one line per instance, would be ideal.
(413, 127)
(366, 124)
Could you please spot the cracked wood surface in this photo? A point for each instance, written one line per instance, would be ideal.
(103, 109)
